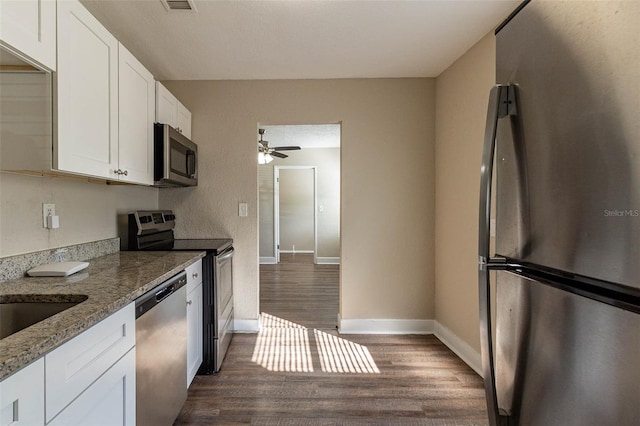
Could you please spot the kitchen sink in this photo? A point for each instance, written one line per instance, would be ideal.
(20, 312)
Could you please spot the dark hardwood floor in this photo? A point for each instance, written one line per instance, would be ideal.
(299, 371)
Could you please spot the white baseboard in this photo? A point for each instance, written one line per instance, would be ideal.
(297, 251)
(384, 326)
(470, 356)
(462, 349)
(267, 260)
(328, 261)
(246, 325)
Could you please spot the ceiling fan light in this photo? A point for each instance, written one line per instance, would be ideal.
(261, 158)
(268, 158)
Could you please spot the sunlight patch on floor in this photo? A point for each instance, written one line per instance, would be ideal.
(283, 349)
(285, 346)
(270, 321)
(338, 355)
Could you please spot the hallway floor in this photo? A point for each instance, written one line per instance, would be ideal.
(299, 371)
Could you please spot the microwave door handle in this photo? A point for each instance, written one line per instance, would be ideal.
(191, 163)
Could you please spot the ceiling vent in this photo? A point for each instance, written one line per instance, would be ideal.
(172, 5)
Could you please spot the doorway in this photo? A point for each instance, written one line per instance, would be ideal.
(295, 206)
(319, 157)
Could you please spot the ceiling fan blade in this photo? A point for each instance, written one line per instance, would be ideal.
(285, 148)
(279, 155)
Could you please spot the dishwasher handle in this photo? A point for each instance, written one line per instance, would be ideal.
(156, 295)
(164, 293)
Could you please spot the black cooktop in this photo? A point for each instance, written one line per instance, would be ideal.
(211, 245)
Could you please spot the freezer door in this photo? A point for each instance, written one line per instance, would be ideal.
(568, 169)
(563, 359)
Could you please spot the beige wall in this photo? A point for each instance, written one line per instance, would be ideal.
(88, 211)
(327, 161)
(387, 182)
(461, 102)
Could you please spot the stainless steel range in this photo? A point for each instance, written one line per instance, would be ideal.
(152, 230)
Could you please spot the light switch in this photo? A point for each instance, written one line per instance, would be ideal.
(243, 209)
(492, 228)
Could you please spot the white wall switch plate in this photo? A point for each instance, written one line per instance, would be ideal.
(243, 209)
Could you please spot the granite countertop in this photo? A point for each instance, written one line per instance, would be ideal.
(109, 283)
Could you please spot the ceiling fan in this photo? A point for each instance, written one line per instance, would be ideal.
(266, 153)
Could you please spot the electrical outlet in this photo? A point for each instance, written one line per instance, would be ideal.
(47, 210)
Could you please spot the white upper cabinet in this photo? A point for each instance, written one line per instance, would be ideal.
(136, 89)
(166, 106)
(170, 111)
(29, 26)
(87, 88)
(106, 102)
(183, 120)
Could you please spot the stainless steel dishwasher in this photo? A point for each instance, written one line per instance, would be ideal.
(161, 352)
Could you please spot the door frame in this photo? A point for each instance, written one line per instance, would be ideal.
(276, 209)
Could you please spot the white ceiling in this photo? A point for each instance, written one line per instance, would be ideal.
(299, 39)
(304, 136)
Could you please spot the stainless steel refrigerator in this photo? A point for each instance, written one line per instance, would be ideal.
(560, 329)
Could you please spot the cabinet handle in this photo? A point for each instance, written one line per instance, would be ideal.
(195, 275)
(125, 172)
(117, 171)
(189, 302)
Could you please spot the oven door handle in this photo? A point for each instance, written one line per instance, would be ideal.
(225, 255)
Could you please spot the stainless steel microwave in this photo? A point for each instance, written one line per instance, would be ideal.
(175, 158)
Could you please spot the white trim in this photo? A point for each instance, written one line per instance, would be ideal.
(297, 251)
(462, 349)
(267, 260)
(328, 261)
(465, 352)
(246, 325)
(384, 326)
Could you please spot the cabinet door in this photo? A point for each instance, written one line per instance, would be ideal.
(183, 120)
(194, 275)
(72, 367)
(29, 26)
(136, 88)
(166, 106)
(87, 84)
(110, 400)
(22, 396)
(194, 332)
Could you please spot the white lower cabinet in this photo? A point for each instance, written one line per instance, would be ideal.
(22, 396)
(194, 332)
(74, 366)
(89, 380)
(194, 320)
(110, 400)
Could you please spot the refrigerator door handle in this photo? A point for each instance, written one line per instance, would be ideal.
(501, 104)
